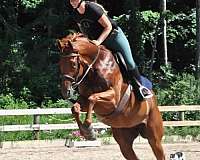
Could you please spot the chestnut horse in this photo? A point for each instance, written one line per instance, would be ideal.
(94, 72)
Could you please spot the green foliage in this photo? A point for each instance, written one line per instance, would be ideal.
(10, 102)
(182, 131)
(149, 22)
(50, 135)
(176, 88)
(122, 21)
(182, 27)
(27, 38)
(60, 103)
(31, 3)
(14, 69)
(16, 136)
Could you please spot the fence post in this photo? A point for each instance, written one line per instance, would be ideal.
(182, 115)
(36, 133)
(1, 139)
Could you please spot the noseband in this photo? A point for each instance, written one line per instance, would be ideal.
(74, 80)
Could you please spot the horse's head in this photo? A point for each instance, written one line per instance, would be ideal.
(74, 50)
(76, 42)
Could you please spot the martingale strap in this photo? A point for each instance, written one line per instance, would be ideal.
(122, 103)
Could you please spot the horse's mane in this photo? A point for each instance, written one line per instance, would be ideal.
(73, 36)
(77, 42)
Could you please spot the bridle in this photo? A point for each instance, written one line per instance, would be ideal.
(66, 76)
(75, 82)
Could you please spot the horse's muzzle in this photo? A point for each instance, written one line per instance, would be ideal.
(67, 93)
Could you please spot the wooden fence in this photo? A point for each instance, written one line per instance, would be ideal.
(36, 126)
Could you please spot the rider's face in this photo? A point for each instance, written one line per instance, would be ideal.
(74, 3)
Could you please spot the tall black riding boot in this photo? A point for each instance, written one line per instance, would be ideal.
(141, 91)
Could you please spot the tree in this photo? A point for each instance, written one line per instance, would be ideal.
(198, 39)
(164, 30)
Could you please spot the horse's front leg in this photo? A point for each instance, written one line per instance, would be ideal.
(85, 128)
(76, 109)
(106, 97)
(88, 119)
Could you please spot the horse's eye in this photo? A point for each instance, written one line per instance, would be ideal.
(74, 66)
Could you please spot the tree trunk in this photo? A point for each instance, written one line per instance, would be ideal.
(164, 30)
(198, 39)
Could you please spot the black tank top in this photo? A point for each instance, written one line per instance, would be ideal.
(89, 20)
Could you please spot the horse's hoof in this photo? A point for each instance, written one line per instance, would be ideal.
(88, 132)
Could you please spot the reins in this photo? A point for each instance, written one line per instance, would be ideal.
(75, 84)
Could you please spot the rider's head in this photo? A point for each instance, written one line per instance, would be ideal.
(75, 3)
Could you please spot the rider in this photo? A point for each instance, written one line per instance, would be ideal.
(93, 21)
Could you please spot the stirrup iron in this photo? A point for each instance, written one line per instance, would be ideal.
(141, 93)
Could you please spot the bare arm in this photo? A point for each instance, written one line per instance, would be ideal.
(105, 22)
(79, 25)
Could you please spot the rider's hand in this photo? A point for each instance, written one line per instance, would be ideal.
(96, 42)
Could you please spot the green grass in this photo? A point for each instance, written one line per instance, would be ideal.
(182, 131)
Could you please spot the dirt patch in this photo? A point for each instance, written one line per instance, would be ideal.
(104, 152)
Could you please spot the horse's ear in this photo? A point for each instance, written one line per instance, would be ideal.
(58, 43)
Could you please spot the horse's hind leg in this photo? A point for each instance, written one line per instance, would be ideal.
(155, 133)
(124, 138)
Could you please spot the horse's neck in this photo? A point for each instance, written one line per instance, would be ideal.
(89, 54)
